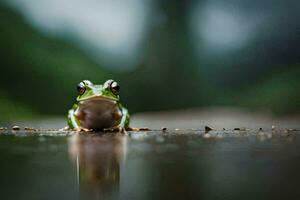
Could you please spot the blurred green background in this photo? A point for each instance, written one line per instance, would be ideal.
(165, 54)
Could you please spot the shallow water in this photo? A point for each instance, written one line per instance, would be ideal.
(150, 165)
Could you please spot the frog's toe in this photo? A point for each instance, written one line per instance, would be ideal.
(109, 130)
(67, 128)
(81, 129)
(122, 130)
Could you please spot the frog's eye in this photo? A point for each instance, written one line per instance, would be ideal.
(87, 82)
(81, 88)
(114, 87)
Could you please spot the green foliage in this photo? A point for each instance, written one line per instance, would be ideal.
(40, 71)
(39, 74)
(11, 110)
(279, 92)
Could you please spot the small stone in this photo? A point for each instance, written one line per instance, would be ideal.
(236, 129)
(3, 128)
(144, 129)
(29, 129)
(163, 128)
(177, 129)
(224, 129)
(15, 128)
(273, 127)
(206, 135)
(207, 129)
(260, 129)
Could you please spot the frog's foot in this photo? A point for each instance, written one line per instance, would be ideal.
(137, 129)
(81, 129)
(64, 129)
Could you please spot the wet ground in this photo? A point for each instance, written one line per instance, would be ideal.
(171, 164)
(246, 156)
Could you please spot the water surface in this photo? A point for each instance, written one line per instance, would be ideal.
(150, 165)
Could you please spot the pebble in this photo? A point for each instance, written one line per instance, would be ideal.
(15, 128)
(163, 128)
(144, 129)
(207, 135)
(207, 129)
(273, 127)
(3, 128)
(29, 129)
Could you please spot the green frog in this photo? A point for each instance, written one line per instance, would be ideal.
(98, 107)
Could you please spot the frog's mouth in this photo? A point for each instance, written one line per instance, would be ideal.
(97, 97)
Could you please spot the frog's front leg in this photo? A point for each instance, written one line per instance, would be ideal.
(123, 123)
(74, 123)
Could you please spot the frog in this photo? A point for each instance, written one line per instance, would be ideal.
(98, 108)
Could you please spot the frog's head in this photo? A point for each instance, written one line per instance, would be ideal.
(109, 90)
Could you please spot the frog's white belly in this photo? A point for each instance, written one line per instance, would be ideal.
(98, 113)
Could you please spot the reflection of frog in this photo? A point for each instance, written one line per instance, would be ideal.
(98, 163)
(98, 107)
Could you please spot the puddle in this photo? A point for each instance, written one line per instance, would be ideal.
(153, 165)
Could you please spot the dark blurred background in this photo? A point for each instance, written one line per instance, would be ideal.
(165, 54)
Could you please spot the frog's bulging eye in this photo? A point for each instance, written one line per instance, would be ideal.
(114, 87)
(81, 88)
(87, 82)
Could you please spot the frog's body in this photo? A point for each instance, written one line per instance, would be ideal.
(98, 107)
